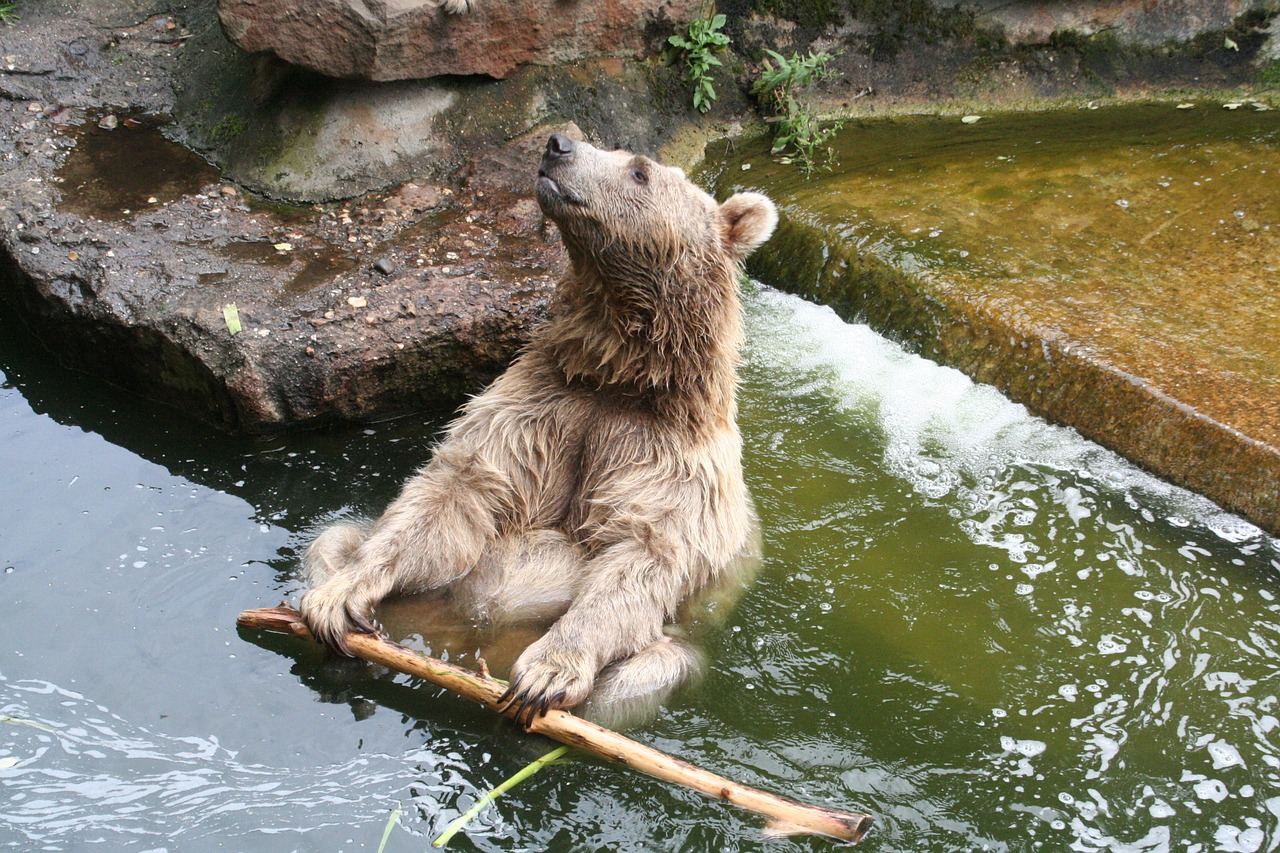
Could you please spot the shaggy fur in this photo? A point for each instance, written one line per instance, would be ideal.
(599, 479)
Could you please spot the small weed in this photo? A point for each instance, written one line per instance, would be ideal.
(700, 44)
(795, 129)
(1269, 75)
(8, 14)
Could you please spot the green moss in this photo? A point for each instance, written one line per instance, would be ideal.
(229, 128)
(1269, 75)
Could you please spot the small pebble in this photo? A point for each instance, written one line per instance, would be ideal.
(384, 266)
(109, 122)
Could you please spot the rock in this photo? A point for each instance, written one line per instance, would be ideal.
(413, 39)
(1141, 22)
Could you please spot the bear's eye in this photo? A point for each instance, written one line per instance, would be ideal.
(640, 176)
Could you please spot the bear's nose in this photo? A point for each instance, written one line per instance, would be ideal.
(559, 146)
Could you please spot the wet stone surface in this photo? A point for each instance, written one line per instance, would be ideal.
(124, 251)
(1113, 269)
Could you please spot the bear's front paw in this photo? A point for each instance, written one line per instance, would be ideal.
(331, 616)
(545, 677)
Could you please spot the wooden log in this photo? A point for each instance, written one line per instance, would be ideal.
(784, 816)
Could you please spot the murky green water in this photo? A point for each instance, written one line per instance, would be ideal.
(986, 631)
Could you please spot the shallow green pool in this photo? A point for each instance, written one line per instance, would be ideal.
(983, 629)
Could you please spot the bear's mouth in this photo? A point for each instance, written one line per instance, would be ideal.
(548, 188)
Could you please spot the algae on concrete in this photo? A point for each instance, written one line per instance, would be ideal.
(1113, 269)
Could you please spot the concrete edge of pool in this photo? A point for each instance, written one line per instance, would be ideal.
(1059, 379)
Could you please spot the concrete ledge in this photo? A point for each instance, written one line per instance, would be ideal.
(1187, 416)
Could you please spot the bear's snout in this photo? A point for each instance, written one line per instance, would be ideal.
(559, 146)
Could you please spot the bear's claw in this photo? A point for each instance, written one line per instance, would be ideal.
(330, 624)
(529, 704)
(543, 679)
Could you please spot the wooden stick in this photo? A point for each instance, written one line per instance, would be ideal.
(784, 816)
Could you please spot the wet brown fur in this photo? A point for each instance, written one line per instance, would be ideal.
(599, 479)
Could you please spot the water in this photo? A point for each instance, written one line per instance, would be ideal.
(979, 627)
(1147, 237)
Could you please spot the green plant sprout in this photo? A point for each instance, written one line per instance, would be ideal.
(794, 127)
(699, 45)
(555, 756)
(8, 14)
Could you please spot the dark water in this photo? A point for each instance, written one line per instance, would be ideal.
(128, 169)
(986, 631)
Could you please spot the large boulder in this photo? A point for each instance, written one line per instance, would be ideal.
(413, 39)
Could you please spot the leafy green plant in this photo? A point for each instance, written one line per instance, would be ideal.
(700, 44)
(795, 129)
(8, 13)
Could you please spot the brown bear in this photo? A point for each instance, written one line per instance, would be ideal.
(599, 479)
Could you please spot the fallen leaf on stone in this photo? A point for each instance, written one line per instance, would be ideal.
(971, 119)
(1186, 106)
(284, 247)
(1230, 44)
(1234, 105)
(232, 316)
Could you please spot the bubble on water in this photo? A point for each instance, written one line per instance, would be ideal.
(1143, 615)
(1028, 748)
(1224, 755)
(1211, 789)
(999, 713)
(1024, 589)
(1232, 839)
(1110, 644)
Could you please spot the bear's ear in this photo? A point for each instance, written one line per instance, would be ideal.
(747, 221)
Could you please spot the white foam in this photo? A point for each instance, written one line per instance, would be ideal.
(946, 434)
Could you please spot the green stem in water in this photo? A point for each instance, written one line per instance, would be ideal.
(391, 824)
(524, 773)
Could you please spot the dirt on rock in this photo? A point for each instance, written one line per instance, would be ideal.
(176, 285)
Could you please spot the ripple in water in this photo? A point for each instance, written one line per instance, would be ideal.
(1120, 632)
(65, 785)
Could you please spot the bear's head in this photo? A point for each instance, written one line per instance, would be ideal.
(650, 305)
(635, 221)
